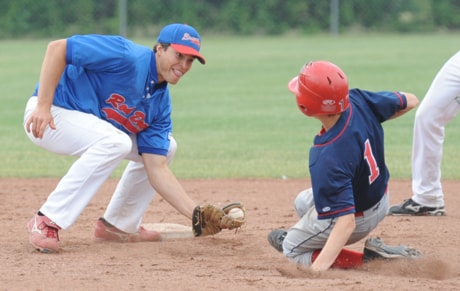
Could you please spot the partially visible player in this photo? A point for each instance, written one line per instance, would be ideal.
(349, 194)
(439, 106)
(104, 99)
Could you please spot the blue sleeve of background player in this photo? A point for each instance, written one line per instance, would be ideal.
(384, 104)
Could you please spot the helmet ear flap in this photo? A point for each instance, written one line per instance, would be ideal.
(321, 88)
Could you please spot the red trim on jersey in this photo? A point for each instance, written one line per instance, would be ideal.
(341, 132)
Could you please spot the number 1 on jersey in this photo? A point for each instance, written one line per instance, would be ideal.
(369, 156)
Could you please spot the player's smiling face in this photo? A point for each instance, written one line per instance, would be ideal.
(172, 65)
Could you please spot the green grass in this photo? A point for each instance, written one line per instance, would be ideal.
(234, 116)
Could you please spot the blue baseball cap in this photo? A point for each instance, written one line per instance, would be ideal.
(183, 38)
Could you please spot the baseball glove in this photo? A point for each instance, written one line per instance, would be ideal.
(209, 219)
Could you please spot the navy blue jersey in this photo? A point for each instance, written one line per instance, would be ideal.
(347, 163)
(116, 80)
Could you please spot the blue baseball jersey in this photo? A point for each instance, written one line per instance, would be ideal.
(116, 80)
(347, 163)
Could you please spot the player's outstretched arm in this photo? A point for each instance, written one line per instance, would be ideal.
(412, 102)
(166, 184)
(207, 219)
(339, 236)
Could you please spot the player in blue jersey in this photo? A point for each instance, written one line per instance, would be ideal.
(349, 194)
(104, 99)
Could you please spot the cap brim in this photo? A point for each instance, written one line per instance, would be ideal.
(293, 85)
(186, 50)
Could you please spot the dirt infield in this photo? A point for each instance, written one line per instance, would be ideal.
(226, 261)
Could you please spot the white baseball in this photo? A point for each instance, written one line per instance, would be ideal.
(236, 213)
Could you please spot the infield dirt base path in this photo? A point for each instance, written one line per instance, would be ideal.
(226, 261)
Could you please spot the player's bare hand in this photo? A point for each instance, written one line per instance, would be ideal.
(38, 121)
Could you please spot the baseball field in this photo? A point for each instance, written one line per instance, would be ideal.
(241, 138)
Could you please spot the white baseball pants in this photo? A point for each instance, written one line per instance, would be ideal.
(100, 148)
(439, 106)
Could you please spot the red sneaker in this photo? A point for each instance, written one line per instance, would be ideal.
(43, 234)
(106, 232)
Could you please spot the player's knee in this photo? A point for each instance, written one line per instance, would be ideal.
(119, 144)
(302, 202)
(426, 119)
(420, 113)
(301, 259)
(172, 149)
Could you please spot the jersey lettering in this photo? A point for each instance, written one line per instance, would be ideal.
(117, 101)
(133, 123)
(369, 156)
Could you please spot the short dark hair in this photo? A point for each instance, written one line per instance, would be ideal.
(163, 45)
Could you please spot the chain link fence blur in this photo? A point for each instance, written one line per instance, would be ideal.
(139, 18)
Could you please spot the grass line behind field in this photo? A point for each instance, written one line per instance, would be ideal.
(234, 116)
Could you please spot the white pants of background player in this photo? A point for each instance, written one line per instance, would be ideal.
(439, 106)
(100, 148)
(310, 233)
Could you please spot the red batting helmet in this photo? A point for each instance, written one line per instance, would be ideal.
(321, 88)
